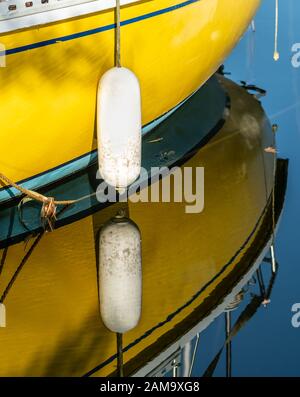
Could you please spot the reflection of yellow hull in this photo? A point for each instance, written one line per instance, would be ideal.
(48, 92)
(53, 323)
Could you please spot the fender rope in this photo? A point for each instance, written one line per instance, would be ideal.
(48, 211)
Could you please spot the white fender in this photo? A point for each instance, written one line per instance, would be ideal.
(119, 127)
(120, 274)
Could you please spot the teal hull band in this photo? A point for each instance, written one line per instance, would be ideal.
(67, 169)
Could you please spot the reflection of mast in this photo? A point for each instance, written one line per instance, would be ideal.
(242, 320)
(271, 284)
(186, 353)
(266, 293)
(273, 259)
(261, 283)
(228, 343)
(194, 354)
(232, 306)
(120, 355)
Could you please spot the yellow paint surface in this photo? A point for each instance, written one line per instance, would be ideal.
(48, 94)
(53, 322)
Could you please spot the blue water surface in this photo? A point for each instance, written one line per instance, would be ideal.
(269, 345)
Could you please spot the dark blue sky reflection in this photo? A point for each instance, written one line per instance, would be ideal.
(269, 345)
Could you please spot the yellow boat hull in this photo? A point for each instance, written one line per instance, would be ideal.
(53, 321)
(49, 84)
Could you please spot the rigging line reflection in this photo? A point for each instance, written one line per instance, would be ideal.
(244, 317)
(14, 278)
(296, 106)
(194, 355)
(18, 270)
(21, 265)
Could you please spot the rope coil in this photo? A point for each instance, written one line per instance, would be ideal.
(49, 204)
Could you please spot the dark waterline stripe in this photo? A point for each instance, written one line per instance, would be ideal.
(87, 212)
(96, 30)
(8, 188)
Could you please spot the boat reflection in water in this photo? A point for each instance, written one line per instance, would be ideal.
(182, 361)
(196, 267)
